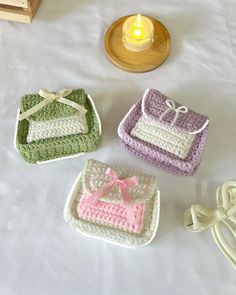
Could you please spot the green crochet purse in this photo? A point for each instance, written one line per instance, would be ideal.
(52, 126)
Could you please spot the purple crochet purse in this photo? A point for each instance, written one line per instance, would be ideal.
(164, 133)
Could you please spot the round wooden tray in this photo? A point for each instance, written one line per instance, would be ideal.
(137, 62)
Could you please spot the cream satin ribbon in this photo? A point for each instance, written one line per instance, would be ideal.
(49, 97)
(171, 104)
(198, 218)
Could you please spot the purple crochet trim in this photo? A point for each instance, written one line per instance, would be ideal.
(156, 155)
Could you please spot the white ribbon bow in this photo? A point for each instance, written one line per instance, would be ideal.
(171, 104)
(198, 218)
(49, 97)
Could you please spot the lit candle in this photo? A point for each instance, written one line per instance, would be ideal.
(138, 33)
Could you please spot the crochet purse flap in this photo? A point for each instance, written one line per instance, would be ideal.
(114, 204)
(94, 176)
(55, 119)
(53, 110)
(161, 109)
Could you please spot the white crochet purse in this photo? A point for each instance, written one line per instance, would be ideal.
(114, 204)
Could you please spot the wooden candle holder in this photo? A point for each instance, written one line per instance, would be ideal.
(137, 62)
(19, 10)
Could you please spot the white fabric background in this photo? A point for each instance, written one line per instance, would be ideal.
(63, 47)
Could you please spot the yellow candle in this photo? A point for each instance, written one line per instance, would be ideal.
(138, 33)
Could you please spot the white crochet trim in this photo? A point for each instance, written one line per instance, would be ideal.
(60, 159)
(96, 113)
(16, 128)
(73, 124)
(189, 132)
(127, 114)
(76, 223)
(167, 138)
(201, 129)
(122, 122)
(143, 101)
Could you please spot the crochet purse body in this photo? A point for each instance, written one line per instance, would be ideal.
(114, 204)
(164, 133)
(54, 125)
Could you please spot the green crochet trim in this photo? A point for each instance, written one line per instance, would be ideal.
(53, 110)
(48, 149)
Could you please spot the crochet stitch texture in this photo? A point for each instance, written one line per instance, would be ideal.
(107, 218)
(56, 147)
(176, 148)
(177, 143)
(73, 124)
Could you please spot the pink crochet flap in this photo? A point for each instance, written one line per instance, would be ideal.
(156, 105)
(94, 177)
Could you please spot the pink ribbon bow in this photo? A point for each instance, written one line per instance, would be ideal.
(123, 185)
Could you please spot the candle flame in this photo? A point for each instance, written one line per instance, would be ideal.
(139, 21)
(137, 31)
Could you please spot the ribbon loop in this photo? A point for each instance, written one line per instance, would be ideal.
(47, 94)
(123, 185)
(49, 97)
(64, 92)
(198, 218)
(172, 107)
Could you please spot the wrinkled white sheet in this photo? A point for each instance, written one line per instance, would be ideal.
(39, 253)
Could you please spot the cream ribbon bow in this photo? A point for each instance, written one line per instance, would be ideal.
(49, 97)
(171, 104)
(198, 218)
